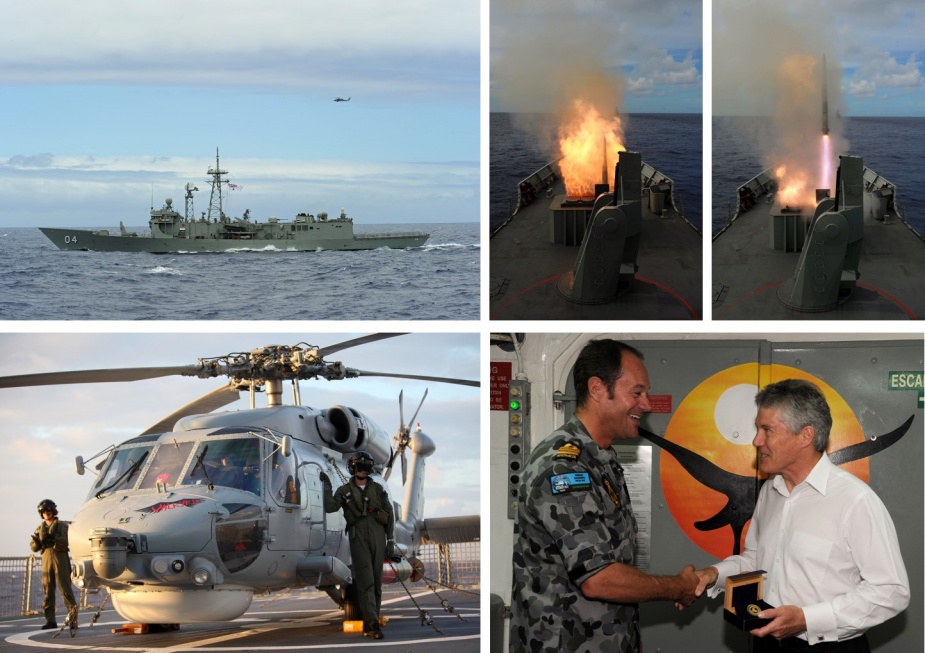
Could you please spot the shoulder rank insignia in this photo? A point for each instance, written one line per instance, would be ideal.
(568, 450)
(563, 483)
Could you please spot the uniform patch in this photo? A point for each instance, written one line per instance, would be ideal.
(563, 483)
(569, 450)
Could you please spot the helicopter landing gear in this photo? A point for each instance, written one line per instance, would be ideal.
(351, 607)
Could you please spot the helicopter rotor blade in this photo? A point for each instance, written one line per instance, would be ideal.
(97, 376)
(388, 467)
(398, 436)
(353, 373)
(362, 340)
(213, 400)
(404, 467)
(414, 417)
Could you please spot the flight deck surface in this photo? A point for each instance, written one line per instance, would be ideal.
(294, 621)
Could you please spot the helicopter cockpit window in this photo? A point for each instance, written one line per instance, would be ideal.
(122, 469)
(168, 462)
(231, 463)
(284, 483)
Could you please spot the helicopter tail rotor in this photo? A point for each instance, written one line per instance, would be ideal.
(403, 438)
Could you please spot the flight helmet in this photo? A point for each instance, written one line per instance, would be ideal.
(48, 504)
(360, 461)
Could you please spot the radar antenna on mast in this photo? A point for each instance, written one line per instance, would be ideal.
(190, 213)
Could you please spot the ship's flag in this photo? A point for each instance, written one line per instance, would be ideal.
(234, 186)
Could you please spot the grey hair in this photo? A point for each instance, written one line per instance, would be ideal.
(802, 404)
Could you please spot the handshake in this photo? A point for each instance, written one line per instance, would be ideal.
(691, 584)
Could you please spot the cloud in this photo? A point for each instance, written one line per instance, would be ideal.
(640, 85)
(195, 42)
(862, 88)
(882, 69)
(867, 39)
(660, 68)
(539, 48)
(279, 187)
(43, 160)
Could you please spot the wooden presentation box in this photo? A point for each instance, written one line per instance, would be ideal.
(743, 600)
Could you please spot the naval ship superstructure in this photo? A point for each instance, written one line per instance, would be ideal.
(625, 253)
(172, 231)
(851, 255)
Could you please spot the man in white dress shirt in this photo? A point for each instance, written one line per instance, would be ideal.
(824, 537)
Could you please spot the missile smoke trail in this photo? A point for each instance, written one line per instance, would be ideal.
(775, 68)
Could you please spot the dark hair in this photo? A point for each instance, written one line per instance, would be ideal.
(603, 359)
(802, 404)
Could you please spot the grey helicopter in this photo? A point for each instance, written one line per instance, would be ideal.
(187, 520)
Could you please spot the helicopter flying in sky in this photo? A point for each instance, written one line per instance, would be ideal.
(195, 510)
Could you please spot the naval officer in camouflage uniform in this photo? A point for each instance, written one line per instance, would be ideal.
(370, 525)
(51, 539)
(575, 587)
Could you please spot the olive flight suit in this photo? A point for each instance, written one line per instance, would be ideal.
(56, 566)
(370, 522)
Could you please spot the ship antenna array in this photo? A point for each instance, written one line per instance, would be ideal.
(190, 213)
(215, 199)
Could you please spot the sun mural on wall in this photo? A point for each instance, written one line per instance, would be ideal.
(708, 465)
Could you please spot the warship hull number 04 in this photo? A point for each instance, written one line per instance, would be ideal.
(171, 231)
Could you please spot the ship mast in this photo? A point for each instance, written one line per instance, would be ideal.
(215, 199)
(190, 214)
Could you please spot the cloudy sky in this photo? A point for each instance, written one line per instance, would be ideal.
(655, 50)
(877, 45)
(46, 428)
(103, 104)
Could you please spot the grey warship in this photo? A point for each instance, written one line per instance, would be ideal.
(624, 251)
(850, 255)
(175, 232)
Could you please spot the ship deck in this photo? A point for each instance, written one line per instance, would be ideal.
(298, 621)
(747, 271)
(525, 266)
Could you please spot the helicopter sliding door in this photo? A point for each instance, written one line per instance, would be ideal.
(287, 503)
(314, 516)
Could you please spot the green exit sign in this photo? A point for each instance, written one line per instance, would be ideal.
(906, 380)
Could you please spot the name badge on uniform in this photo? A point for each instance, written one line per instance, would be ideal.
(563, 483)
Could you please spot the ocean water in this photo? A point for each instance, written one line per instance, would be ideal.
(673, 143)
(437, 281)
(890, 146)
